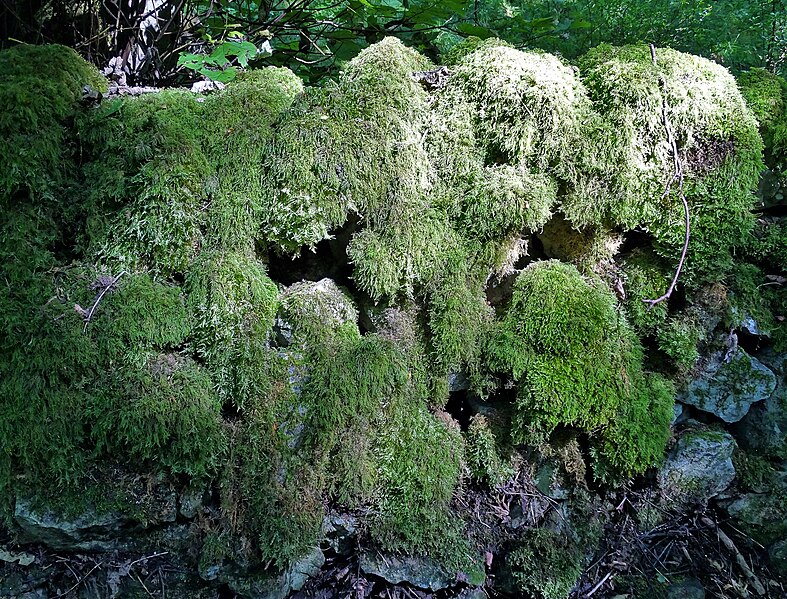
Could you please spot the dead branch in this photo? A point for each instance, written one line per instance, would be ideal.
(102, 293)
(676, 176)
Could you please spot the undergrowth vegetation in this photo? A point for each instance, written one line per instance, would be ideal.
(143, 318)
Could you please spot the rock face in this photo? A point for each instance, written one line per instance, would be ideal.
(763, 516)
(764, 428)
(89, 531)
(728, 387)
(420, 572)
(699, 467)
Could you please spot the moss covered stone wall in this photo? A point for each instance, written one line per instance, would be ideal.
(154, 320)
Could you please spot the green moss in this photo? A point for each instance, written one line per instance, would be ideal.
(752, 471)
(482, 455)
(40, 88)
(377, 443)
(166, 414)
(720, 148)
(635, 439)
(271, 489)
(679, 338)
(140, 317)
(545, 565)
(645, 277)
(768, 244)
(576, 362)
(746, 298)
(462, 49)
(350, 146)
(507, 200)
(238, 127)
(394, 259)
(318, 312)
(148, 181)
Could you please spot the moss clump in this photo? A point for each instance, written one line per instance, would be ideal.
(237, 129)
(139, 319)
(644, 276)
(353, 146)
(679, 339)
(482, 455)
(718, 142)
(40, 88)
(545, 565)
(317, 312)
(527, 106)
(576, 362)
(374, 438)
(273, 489)
(148, 182)
(507, 200)
(171, 171)
(167, 415)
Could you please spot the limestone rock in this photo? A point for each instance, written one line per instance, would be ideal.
(727, 386)
(778, 557)
(421, 572)
(763, 516)
(339, 531)
(89, 531)
(764, 428)
(686, 589)
(699, 467)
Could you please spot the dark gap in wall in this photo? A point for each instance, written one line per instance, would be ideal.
(749, 343)
(636, 238)
(328, 260)
(459, 408)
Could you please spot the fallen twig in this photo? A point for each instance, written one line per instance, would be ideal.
(81, 580)
(677, 176)
(599, 584)
(103, 292)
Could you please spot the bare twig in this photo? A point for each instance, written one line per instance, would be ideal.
(147, 557)
(80, 581)
(677, 176)
(99, 298)
(599, 584)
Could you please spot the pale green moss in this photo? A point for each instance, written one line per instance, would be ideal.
(527, 106)
(354, 145)
(405, 253)
(679, 338)
(507, 200)
(718, 141)
(238, 126)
